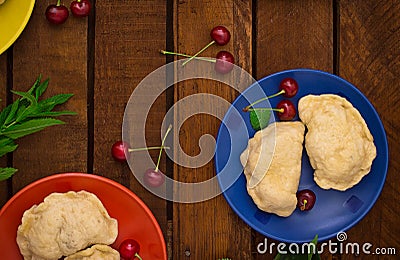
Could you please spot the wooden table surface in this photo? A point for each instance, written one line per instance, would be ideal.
(100, 59)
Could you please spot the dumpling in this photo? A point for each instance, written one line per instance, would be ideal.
(338, 142)
(96, 252)
(64, 224)
(272, 166)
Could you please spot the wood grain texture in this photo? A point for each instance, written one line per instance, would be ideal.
(3, 95)
(128, 37)
(292, 34)
(208, 229)
(370, 59)
(58, 53)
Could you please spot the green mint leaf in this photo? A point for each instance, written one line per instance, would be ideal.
(314, 242)
(259, 118)
(54, 113)
(6, 173)
(7, 145)
(48, 104)
(35, 85)
(25, 95)
(25, 112)
(10, 116)
(4, 114)
(29, 127)
(41, 88)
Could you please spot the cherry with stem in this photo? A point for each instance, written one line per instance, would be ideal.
(154, 177)
(286, 110)
(120, 149)
(220, 36)
(288, 87)
(224, 61)
(80, 8)
(57, 13)
(305, 199)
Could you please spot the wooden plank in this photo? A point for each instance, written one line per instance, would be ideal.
(208, 229)
(292, 34)
(3, 96)
(370, 59)
(128, 38)
(57, 52)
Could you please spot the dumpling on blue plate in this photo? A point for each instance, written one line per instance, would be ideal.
(272, 166)
(338, 142)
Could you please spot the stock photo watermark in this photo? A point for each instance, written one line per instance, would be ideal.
(342, 246)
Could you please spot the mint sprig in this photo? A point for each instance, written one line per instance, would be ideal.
(28, 115)
(259, 118)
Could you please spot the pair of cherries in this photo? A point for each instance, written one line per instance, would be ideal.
(285, 109)
(224, 60)
(58, 13)
(152, 177)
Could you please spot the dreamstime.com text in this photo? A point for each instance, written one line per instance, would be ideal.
(339, 247)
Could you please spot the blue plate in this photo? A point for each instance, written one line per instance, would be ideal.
(334, 211)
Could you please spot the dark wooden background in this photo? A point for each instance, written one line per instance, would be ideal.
(102, 58)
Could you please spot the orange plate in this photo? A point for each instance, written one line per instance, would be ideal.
(135, 220)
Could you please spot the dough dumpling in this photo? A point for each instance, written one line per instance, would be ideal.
(64, 224)
(272, 165)
(338, 142)
(96, 252)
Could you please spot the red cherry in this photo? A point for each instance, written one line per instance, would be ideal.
(305, 199)
(224, 62)
(153, 178)
(220, 35)
(80, 8)
(289, 86)
(119, 150)
(129, 249)
(289, 111)
(57, 14)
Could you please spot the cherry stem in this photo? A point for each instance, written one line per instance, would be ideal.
(280, 110)
(148, 148)
(303, 207)
(262, 99)
(162, 145)
(187, 56)
(200, 51)
(58, 2)
(138, 256)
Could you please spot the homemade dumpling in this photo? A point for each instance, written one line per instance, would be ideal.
(64, 224)
(272, 166)
(338, 142)
(96, 252)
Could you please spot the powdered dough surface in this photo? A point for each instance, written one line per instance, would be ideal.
(338, 142)
(96, 252)
(272, 165)
(64, 224)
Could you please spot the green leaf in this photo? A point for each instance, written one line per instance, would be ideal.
(35, 85)
(14, 108)
(26, 95)
(7, 145)
(6, 173)
(4, 115)
(48, 104)
(41, 88)
(259, 118)
(29, 127)
(314, 242)
(54, 113)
